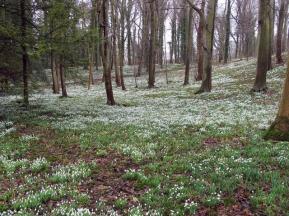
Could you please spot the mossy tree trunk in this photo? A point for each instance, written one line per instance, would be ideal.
(279, 130)
(260, 84)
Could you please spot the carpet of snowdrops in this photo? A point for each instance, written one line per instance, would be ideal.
(196, 152)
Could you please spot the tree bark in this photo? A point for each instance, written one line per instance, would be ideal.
(55, 79)
(122, 42)
(279, 130)
(115, 47)
(128, 25)
(200, 44)
(24, 52)
(264, 47)
(208, 48)
(285, 29)
(271, 32)
(105, 53)
(189, 45)
(280, 33)
(62, 77)
(151, 66)
(228, 32)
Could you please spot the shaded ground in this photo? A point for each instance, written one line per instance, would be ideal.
(164, 151)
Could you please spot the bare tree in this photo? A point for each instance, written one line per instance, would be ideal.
(228, 31)
(281, 21)
(105, 48)
(152, 49)
(264, 46)
(189, 44)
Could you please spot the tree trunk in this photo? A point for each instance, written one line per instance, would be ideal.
(285, 29)
(228, 32)
(128, 25)
(279, 130)
(264, 47)
(189, 45)
(122, 42)
(24, 52)
(280, 33)
(200, 44)
(90, 67)
(174, 41)
(271, 32)
(62, 77)
(115, 48)
(105, 53)
(161, 38)
(151, 67)
(55, 79)
(208, 47)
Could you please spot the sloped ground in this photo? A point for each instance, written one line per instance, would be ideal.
(163, 151)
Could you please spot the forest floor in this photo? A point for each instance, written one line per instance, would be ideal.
(164, 151)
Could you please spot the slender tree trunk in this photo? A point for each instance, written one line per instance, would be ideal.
(285, 29)
(228, 32)
(142, 57)
(174, 41)
(271, 32)
(54, 74)
(62, 77)
(200, 44)
(161, 38)
(151, 67)
(115, 48)
(208, 47)
(280, 33)
(122, 42)
(264, 47)
(189, 45)
(23, 5)
(279, 130)
(128, 25)
(237, 47)
(105, 53)
(90, 67)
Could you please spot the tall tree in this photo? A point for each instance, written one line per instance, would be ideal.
(285, 37)
(189, 44)
(152, 48)
(116, 56)
(200, 42)
(128, 12)
(281, 20)
(24, 4)
(208, 43)
(122, 41)
(271, 32)
(228, 31)
(264, 46)
(105, 54)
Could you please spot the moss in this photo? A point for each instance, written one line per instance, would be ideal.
(279, 130)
